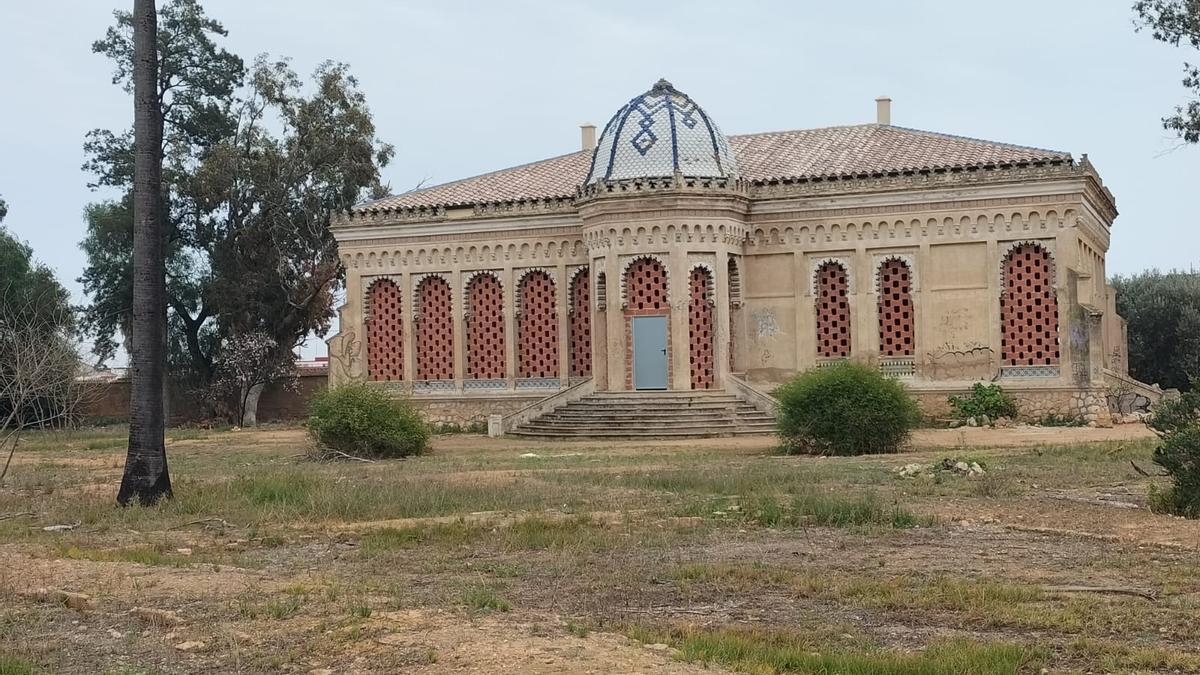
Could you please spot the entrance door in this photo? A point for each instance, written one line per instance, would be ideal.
(649, 352)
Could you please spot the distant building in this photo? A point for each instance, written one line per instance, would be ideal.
(666, 255)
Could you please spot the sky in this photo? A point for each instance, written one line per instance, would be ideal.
(461, 88)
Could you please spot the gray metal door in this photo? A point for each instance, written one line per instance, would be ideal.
(649, 352)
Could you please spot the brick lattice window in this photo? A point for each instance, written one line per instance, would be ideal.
(833, 312)
(646, 287)
(896, 332)
(435, 330)
(1029, 308)
(385, 333)
(538, 327)
(485, 328)
(700, 329)
(581, 325)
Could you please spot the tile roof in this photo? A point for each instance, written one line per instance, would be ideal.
(864, 149)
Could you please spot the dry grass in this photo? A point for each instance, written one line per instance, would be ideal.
(733, 556)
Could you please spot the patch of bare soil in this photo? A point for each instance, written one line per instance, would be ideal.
(496, 643)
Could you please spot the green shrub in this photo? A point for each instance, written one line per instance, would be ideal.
(1178, 422)
(846, 409)
(985, 399)
(364, 421)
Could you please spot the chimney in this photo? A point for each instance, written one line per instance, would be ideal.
(883, 110)
(587, 136)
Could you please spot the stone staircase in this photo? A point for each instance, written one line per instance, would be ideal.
(651, 414)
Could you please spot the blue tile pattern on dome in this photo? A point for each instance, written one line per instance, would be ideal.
(658, 134)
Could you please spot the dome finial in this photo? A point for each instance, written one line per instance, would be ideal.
(662, 86)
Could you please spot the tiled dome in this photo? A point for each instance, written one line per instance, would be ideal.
(658, 134)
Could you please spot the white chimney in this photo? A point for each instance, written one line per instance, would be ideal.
(587, 136)
(883, 110)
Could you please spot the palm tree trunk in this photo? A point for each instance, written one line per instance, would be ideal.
(146, 479)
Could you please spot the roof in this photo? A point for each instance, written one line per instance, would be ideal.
(861, 150)
(658, 134)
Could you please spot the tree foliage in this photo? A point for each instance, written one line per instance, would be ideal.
(255, 163)
(1163, 314)
(1177, 421)
(38, 356)
(363, 421)
(845, 409)
(1177, 22)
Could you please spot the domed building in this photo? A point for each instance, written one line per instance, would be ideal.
(667, 257)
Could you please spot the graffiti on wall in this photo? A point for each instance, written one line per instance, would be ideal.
(963, 361)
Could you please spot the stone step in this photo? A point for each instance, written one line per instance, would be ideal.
(672, 424)
(618, 434)
(651, 414)
(659, 405)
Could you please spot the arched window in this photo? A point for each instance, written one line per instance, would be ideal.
(581, 325)
(385, 332)
(646, 287)
(833, 311)
(896, 325)
(700, 328)
(1029, 308)
(485, 328)
(537, 327)
(435, 330)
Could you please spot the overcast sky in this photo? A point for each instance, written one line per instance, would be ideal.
(461, 88)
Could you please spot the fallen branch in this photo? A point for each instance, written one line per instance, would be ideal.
(339, 453)
(215, 519)
(10, 516)
(1115, 590)
(1144, 473)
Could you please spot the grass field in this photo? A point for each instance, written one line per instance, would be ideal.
(496, 555)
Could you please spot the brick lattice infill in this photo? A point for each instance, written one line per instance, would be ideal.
(646, 294)
(1029, 308)
(896, 324)
(700, 329)
(435, 330)
(485, 328)
(581, 325)
(538, 327)
(833, 312)
(385, 333)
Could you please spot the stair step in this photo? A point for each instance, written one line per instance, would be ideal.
(651, 414)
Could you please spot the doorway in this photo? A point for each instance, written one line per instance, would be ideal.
(649, 352)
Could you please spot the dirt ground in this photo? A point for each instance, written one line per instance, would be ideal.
(506, 555)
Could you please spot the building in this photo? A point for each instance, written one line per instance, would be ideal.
(666, 255)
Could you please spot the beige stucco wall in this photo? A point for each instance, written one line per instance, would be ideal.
(953, 230)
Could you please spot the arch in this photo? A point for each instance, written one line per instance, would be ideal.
(537, 326)
(385, 332)
(897, 324)
(435, 329)
(580, 336)
(1028, 306)
(646, 285)
(832, 296)
(700, 327)
(485, 327)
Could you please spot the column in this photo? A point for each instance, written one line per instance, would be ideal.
(508, 279)
(562, 293)
(680, 328)
(618, 350)
(458, 313)
(721, 311)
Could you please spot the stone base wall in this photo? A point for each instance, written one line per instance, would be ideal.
(1033, 404)
(467, 409)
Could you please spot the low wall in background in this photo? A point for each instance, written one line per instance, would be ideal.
(108, 400)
